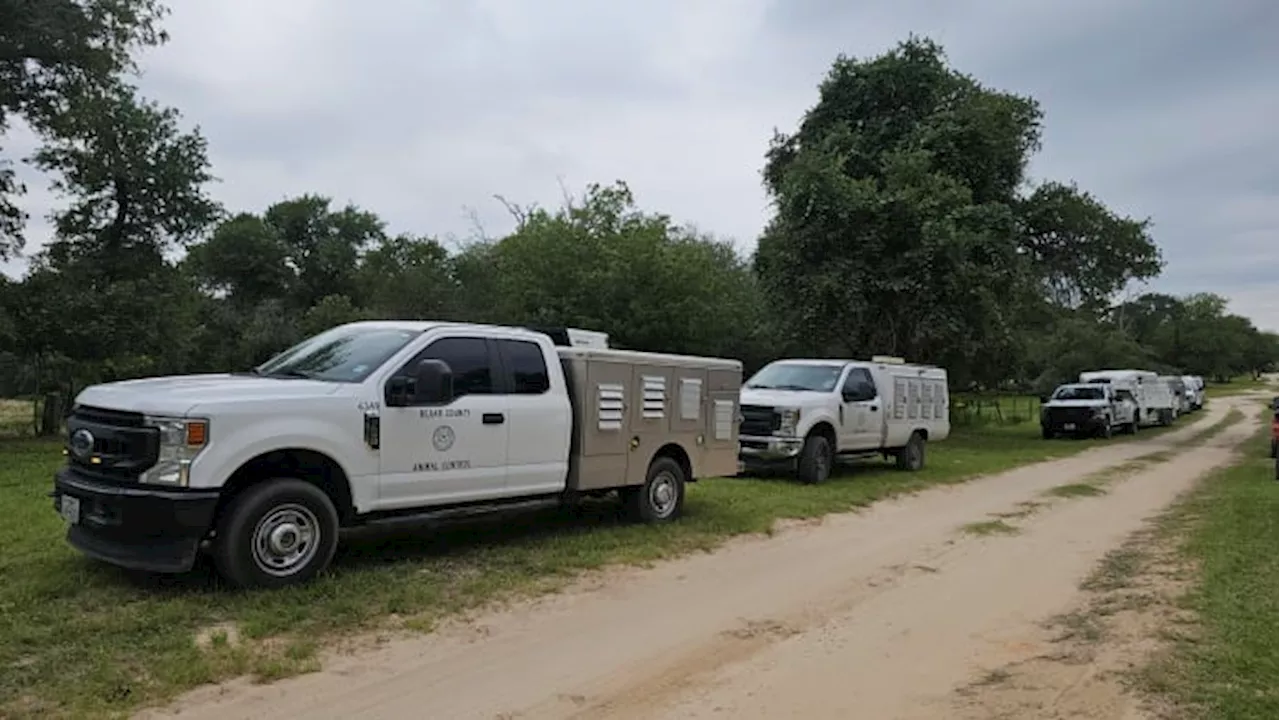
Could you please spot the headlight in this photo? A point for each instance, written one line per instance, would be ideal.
(789, 419)
(181, 440)
(1099, 412)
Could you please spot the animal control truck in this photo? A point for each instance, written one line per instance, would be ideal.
(381, 422)
(802, 414)
(1155, 400)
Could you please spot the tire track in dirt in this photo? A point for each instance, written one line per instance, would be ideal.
(872, 612)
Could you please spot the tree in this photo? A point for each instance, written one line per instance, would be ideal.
(53, 53)
(601, 263)
(102, 295)
(409, 278)
(1082, 251)
(895, 228)
(137, 183)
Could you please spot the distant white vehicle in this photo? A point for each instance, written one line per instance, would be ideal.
(803, 413)
(1155, 401)
(1194, 391)
(1178, 389)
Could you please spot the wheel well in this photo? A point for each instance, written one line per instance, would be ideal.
(308, 465)
(825, 430)
(924, 434)
(677, 453)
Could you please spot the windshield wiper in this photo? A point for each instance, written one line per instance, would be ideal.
(302, 374)
(759, 387)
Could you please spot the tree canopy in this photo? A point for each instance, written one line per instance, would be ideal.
(904, 223)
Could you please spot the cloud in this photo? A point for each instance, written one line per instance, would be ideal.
(420, 110)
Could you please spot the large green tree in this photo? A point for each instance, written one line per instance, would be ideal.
(601, 263)
(53, 55)
(1083, 252)
(895, 229)
(102, 294)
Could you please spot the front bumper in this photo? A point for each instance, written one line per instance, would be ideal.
(137, 527)
(1074, 424)
(755, 449)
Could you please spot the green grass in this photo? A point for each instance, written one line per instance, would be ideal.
(1228, 667)
(81, 638)
(1236, 386)
(1075, 490)
(15, 418)
(989, 527)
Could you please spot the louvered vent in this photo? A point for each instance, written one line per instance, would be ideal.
(609, 402)
(655, 397)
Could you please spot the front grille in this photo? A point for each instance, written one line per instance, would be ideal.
(1077, 415)
(123, 447)
(758, 420)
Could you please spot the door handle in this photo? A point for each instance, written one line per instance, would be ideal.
(874, 408)
(493, 418)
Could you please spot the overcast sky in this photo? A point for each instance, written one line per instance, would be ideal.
(422, 109)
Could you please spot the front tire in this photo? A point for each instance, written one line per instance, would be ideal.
(1104, 432)
(281, 532)
(661, 497)
(911, 457)
(816, 459)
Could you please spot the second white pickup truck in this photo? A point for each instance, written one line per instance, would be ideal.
(377, 422)
(802, 414)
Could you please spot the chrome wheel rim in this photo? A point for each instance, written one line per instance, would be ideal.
(663, 493)
(285, 540)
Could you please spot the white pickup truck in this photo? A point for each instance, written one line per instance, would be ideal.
(1088, 408)
(376, 422)
(804, 413)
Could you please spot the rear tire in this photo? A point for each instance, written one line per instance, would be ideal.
(816, 459)
(661, 497)
(911, 457)
(278, 533)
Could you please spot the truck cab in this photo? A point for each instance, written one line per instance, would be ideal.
(377, 422)
(803, 414)
(1088, 409)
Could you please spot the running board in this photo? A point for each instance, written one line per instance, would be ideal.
(423, 516)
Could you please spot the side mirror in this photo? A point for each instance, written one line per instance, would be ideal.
(1044, 399)
(848, 395)
(429, 383)
(433, 380)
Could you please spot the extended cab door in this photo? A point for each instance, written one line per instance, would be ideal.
(539, 418)
(457, 452)
(863, 411)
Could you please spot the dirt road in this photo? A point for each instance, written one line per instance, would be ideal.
(879, 614)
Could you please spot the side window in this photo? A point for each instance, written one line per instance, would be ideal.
(468, 358)
(525, 367)
(859, 385)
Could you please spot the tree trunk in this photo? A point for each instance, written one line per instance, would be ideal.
(51, 415)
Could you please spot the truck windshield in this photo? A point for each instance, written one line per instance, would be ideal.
(796, 376)
(1078, 393)
(343, 354)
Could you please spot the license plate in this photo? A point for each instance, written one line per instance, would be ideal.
(69, 508)
(1068, 426)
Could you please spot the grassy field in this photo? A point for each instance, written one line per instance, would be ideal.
(1236, 386)
(15, 418)
(1227, 668)
(81, 638)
